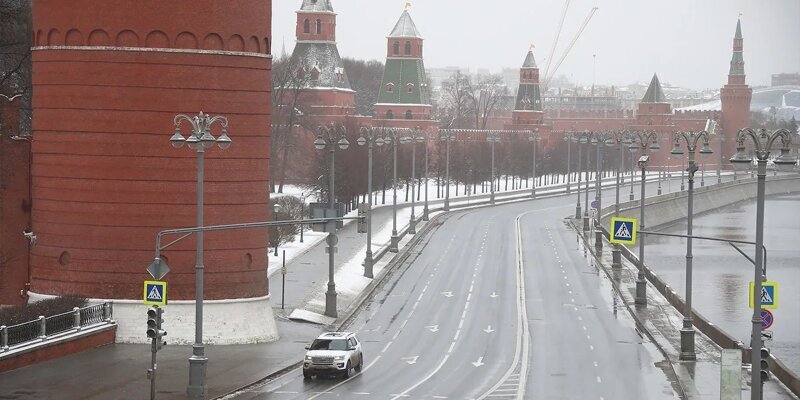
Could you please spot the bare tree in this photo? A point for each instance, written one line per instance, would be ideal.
(365, 79)
(456, 100)
(485, 98)
(15, 55)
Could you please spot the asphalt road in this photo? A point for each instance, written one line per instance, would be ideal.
(498, 303)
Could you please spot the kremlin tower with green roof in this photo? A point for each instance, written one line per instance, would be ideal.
(404, 98)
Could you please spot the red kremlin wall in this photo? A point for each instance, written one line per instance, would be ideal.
(108, 78)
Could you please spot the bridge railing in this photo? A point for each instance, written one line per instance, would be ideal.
(46, 328)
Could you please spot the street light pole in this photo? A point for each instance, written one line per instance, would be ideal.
(425, 209)
(569, 161)
(688, 332)
(447, 137)
(368, 137)
(492, 137)
(574, 138)
(533, 137)
(327, 138)
(646, 139)
(393, 245)
(276, 208)
(620, 139)
(633, 172)
(415, 138)
(199, 140)
(762, 144)
(585, 140)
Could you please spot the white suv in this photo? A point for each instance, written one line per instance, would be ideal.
(333, 353)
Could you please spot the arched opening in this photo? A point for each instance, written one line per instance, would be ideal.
(390, 87)
(409, 115)
(396, 49)
(319, 27)
(389, 114)
(410, 88)
(314, 74)
(306, 26)
(408, 49)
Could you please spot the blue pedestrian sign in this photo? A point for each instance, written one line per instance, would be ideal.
(769, 294)
(623, 230)
(155, 293)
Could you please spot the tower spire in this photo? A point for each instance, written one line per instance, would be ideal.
(736, 74)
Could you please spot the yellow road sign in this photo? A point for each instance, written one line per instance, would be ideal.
(623, 230)
(155, 293)
(769, 294)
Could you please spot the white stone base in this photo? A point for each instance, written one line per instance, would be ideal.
(235, 321)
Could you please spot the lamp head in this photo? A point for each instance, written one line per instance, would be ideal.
(420, 138)
(320, 143)
(379, 141)
(740, 160)
(207, 140)
(655, 146)
(706, 148)
(361, 140)
(177, 139)
(193, 142)
(785, 162)
(224, 141)
(343, 143)
(676, 150)
(610, 142)
(404, 139)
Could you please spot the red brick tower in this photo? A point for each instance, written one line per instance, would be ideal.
(735, 96)
(108, 77)
(528, 108)
(654, 113)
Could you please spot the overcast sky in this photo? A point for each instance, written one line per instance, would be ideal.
(687, 42)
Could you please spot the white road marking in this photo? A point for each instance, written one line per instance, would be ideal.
(433, 328)
(479, 362)
(598, 380)
(386, 347)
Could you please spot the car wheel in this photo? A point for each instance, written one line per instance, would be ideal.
(348, 370)
(360, 363)
(306, 375)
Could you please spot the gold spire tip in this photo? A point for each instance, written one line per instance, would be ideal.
(407, 6)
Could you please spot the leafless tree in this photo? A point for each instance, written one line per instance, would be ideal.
(15, 55)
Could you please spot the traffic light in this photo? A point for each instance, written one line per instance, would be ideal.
(764, 364)
(155, 317)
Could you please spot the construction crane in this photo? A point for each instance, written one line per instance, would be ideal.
(558, 35)
(549, 76)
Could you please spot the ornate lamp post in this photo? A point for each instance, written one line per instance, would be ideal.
(569, 160)
(573, 137)
(534, 138)
(425, 208)
(330, 138)
(646, 140)
(367, 136)
(447, 137)
(599, 140)
(276, 208)
(633, 171)
(691, 139)
(621, 139)
(584, 138)
(414, 139)
(392, 138)
(199, 140)
(493, 137)
(762, 142)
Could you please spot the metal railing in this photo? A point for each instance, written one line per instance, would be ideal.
(45, 328)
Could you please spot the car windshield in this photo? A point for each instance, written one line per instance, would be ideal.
(328, 344)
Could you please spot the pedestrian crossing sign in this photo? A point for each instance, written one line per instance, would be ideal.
(623, 230)
(769, 294)
(155, 293)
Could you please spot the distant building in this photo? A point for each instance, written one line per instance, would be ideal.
(786, 79)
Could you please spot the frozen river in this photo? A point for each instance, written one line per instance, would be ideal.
(722, 275)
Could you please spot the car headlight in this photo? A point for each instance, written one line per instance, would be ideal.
(339, 358)
(308, 358)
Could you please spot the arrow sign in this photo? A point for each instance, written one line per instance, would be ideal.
(447, 294)
(479, 362)
(433, 328)
(410, 360)
(158, 269)
(494, 295)
(488, 329)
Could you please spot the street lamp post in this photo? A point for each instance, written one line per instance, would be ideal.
(276, 208)
(393, 140)
(330, 138)
(493, 137)
(302, 214)
(569, 160)
(601, 139)
(621, 139)
(367, 136)
(585, 140)
(199, 140)
(573, 137)
(447, 137)
(691, 139)
(762, 144)
(414, 139)
(646, 140)
(533, 137)
(633, 171)
(425, 215)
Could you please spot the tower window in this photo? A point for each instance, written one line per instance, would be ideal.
(389, 114)
(314, 74)
(390, 87)
(409, 115)
(301, 74)
(306, 26)
(410, 88)
(319, 27)
(396, 48)
(408, 49)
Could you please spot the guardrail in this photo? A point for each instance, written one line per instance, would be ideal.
(45, 328)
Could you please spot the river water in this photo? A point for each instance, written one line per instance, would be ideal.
(722, 276)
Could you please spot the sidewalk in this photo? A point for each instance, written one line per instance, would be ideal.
(119, 371)
(698, 379)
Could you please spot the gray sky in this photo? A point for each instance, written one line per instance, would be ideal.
(688, 42)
